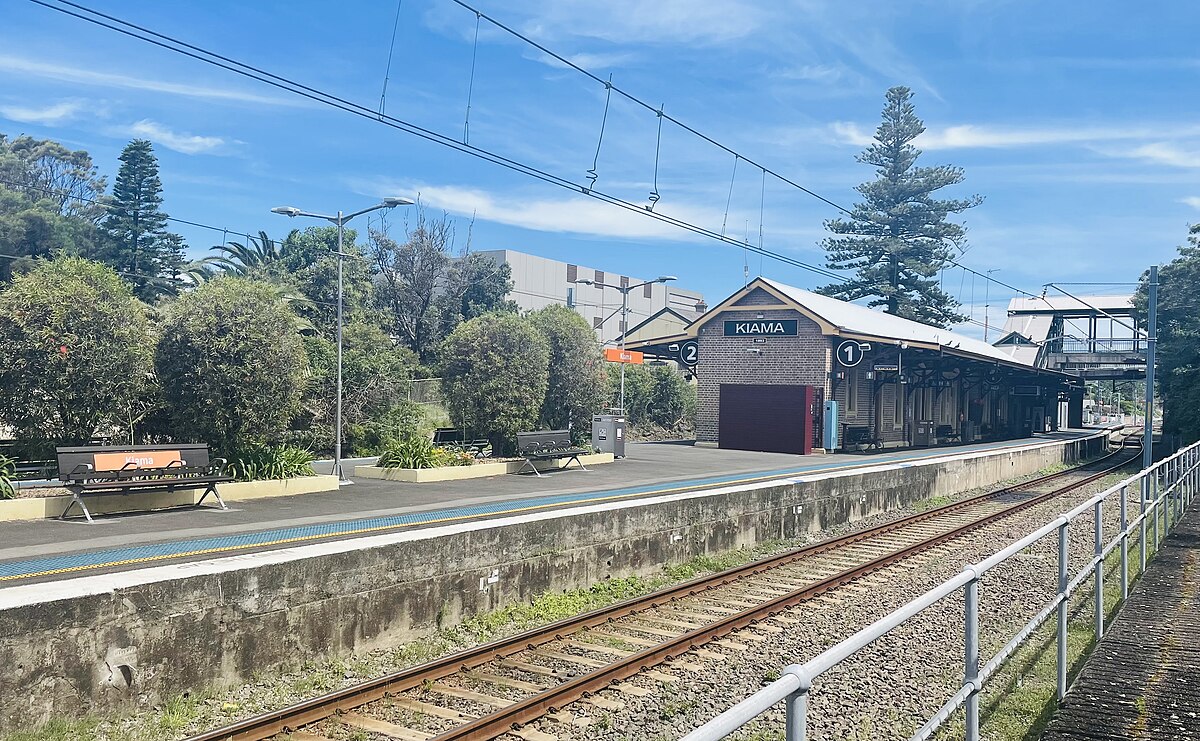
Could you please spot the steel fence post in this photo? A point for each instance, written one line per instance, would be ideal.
(1154, 508)
(1142, 538)
(1099, 569)
(1124, 543)
(1063, 536)
(797, 716)
(971, 655)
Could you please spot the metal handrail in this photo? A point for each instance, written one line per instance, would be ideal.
(1172, 481)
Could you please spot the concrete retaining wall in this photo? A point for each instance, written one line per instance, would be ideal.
(137, 637)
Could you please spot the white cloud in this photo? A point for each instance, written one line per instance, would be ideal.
(971, 136)
(1193, 201)
(17, 65)
(825, 74)
(1166, 154)
(185, 143)
(49, 115)
(636, 21)
(589, 61)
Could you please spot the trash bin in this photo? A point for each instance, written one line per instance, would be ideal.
(923, 433)
(608, 434)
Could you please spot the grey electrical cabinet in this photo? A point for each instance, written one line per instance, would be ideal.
(608, 434)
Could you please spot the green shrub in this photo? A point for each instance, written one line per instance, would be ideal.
(260, 462)
(420, 452)
(8, 472)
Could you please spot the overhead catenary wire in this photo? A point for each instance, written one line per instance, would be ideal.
(387, 70)
(208, 57)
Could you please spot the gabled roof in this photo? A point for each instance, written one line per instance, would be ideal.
(1119, 305)
(844, 319)
(680, 315)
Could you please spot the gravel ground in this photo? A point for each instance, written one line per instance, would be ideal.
(886, 690)
(660, 717)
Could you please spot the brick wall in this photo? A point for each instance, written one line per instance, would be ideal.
(799, 360)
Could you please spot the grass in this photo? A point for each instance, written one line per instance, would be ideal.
(1021, 698)
(185, 712)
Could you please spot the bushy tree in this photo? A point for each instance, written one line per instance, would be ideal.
(897, 239)
(231, 364)
(76, 352)
(495, 370)
(135, 240)
(1178, 338)
(48, 202)
(425, 290)
(656, 395)
(578, 383)
(375, 408)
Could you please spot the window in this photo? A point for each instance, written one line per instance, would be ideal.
(624, 281)
(599, 276)
(596, 322)
(572, 273)
(852, 391)
(898, 407)
(648, 290)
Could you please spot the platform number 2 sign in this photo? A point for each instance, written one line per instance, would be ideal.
(689, 352)
(850, 353)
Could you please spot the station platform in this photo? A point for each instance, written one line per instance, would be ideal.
(47, 550)
(1141, 680)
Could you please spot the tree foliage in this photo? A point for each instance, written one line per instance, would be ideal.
(577, 382)
(495, 371)
(231, 363)
(655, 395)
(48, 202)
(425, 290)
(135, 238)
(897, 238)
(1178, 338)
(77, 352)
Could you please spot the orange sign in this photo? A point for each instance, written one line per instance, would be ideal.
(140, 458)
(614, 355)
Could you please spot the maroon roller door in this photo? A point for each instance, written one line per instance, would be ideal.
(773, 419)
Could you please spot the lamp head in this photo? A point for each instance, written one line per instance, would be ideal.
(394, 201)
(664, 278)
(584, 282)
(286, 210)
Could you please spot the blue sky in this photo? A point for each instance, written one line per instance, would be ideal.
(1077, 121)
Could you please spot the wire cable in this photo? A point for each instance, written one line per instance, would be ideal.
(212, 58)
(387, 71)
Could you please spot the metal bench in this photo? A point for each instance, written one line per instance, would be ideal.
(547, 445)
(115, 469)
(456, 438)
(946, 433)
(858, 437)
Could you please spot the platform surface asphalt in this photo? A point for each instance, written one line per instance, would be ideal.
(1142, 682)
(41, 550)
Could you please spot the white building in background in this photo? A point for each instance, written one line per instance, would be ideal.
(539, 282)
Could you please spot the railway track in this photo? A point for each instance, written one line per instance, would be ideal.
(498, 688)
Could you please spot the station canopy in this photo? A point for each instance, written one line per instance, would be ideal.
(851, 321)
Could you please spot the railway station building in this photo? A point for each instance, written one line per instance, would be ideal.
(782, 369)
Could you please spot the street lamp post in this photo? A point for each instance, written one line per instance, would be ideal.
(625, 316)
(340, 221)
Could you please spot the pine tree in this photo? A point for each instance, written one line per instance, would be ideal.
(898, 238)
(136, 241)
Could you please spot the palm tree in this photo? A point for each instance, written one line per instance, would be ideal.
(237, 259)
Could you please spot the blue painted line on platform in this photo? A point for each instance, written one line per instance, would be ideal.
(74, 562)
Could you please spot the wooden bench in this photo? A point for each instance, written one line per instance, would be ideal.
(858, 437)
(547, 445)
(456, 438)
(92, 470)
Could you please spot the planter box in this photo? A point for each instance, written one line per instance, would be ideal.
(37, 508)
(474, 471)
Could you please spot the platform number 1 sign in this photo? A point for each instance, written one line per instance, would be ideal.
(850, 353)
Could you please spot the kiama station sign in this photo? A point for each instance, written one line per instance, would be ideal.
(761, 328)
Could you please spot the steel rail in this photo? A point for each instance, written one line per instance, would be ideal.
(266, 725)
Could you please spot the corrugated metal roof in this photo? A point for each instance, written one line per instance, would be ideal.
(1036, 327)
(863, 320)
(1111, 304)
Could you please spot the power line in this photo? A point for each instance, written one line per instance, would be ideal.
(217, 60)
(206, 56)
